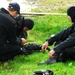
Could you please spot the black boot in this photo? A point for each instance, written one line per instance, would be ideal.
(49, 61)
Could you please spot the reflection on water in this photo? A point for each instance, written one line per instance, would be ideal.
(26, 5)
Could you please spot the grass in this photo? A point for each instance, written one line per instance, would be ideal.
(48, 25)
(44, 27)
(54, 6)
(26, 65)
(22, 65)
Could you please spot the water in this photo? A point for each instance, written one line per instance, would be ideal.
(26, 5)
